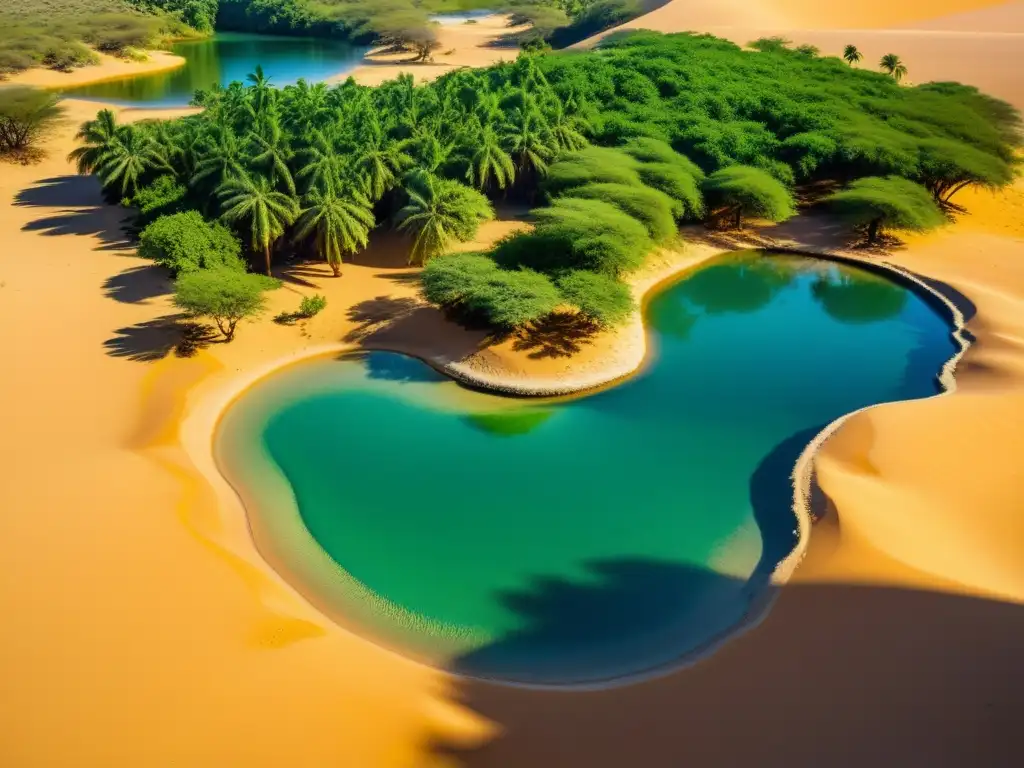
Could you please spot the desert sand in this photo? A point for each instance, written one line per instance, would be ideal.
(109, 68)
(460, 45)
(144, 628)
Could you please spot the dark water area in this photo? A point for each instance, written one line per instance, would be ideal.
(581, 539)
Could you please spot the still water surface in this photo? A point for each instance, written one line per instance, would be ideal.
(578, 539)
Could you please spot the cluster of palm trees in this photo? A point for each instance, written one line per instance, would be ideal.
(321, 166)
(891, 64)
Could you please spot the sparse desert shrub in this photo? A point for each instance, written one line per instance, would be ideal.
(740, 191)
(186, 242)
(602, 299)
(26, 115)
(877, 204)
(225, 296)
(312, 305)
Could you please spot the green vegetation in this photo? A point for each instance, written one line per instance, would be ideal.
(737, 191)
(225, 296)
(185, 242)
(26, 115)
(613, 148)
(63, 34)
(851, 55)
(893, 66)
(312, 305)
(875, 205)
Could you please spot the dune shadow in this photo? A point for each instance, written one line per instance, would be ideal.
(836, 675)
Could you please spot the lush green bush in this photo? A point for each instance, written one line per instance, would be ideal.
(588, 166)
(475, 287)
(225, 296)
(312, 305)
(740, 190)
(593, 234)
(681, 187)
(439, 212)
(602, 299)
(648, 150)
(185, 242)
(877, 204)
(163, 197)
(26, 115)
(650, 207)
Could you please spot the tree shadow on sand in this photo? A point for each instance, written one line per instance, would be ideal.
(153, 340)
(560, 334)
(137, 285)
(85, 210)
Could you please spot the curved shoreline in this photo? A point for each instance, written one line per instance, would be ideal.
(198, 428)
(110, 68)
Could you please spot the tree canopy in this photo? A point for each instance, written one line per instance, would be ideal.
(879, 204)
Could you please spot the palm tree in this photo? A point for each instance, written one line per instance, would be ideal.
(488, 161)
(261, 90)
(323, 167)
(97, 136)
(379, 164)
(341, 224)
(892, 65)
(254, 201)
(272, 151)
(566, 129)
(219, 157)
(439, 212)
(131, 154)
(851, 54)
(528, 140)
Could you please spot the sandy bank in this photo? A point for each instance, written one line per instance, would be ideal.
(109, 68)
(461, 45)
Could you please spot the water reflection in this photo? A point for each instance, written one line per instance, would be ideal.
(865, 298)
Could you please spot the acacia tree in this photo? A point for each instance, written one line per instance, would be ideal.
(851, 55)
(252, 201)
(893, 66)
(225, 296)
(340, 225)
(874, 204)
(737, 191)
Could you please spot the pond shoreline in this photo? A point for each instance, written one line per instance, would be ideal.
(200, 427)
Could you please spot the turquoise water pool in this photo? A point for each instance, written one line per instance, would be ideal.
(579, 539)
(225, 58)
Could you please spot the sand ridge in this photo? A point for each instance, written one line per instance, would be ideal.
(109, 68)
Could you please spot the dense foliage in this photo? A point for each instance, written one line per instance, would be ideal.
(185, 242)
(878, 204)
(619, 145)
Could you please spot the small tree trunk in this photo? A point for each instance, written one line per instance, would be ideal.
(231, 330)
(873, 228)
(739, 217)
(336, 268)
(266, 255)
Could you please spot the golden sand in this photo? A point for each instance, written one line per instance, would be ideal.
(109, 68)
(142, 628)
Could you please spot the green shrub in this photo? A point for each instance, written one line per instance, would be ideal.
(223, 295)
(113, 32)
(65, 56)
(602, 299)
(740, 190)
(590, 165)
(312, 305)
(163, 197)
(185, 242)
(26, 115)
(475, 287)
(650, 207)
(648, 150)
(876, 204)
(590, 234)
(681, 187)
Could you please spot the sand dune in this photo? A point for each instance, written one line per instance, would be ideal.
(109, 68)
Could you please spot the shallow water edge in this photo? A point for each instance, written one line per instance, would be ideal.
(802, 477)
